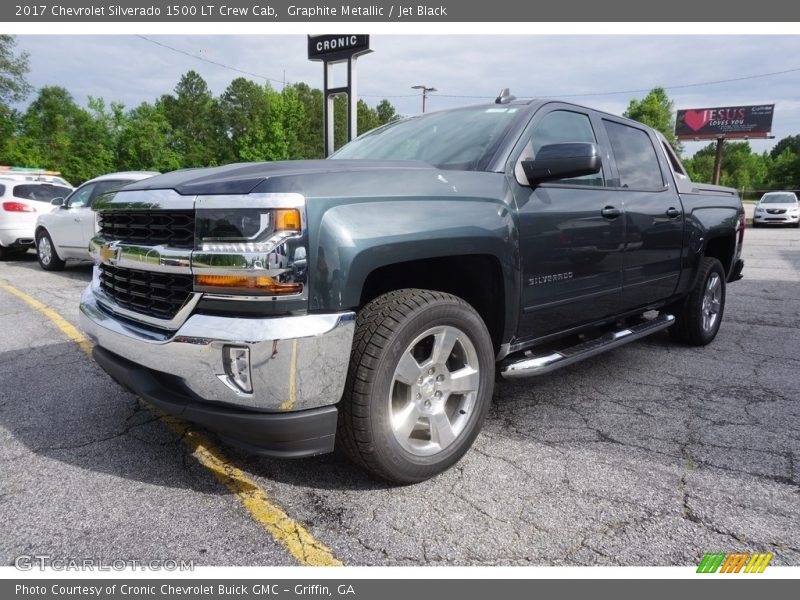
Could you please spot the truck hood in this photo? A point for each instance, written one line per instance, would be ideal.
(244, 178)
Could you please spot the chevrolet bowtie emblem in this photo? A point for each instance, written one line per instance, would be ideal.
(108, 254)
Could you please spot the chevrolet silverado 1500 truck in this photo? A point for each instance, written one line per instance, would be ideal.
(369, 299)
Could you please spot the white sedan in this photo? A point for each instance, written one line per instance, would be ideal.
(777, 208)
(64, 233)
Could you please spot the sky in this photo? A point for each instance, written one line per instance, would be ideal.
(129, 69)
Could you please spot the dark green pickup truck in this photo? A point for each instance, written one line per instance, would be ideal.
(369, 300)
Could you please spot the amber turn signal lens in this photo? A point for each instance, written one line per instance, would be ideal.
(260, 283)
(287, 219)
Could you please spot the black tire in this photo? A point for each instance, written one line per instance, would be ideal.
(755, 225)
(691, 326)
(386, 328)
(51, 261)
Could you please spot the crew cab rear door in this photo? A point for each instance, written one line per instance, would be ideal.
(571, 231)
(653, 215)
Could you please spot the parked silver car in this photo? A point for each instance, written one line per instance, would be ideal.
(777, 208)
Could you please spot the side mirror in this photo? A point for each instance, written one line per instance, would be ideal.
(562, 161)
(57, 201)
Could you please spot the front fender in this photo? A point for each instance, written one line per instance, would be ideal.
(355, 239)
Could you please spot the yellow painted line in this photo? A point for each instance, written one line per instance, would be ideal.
(306, 549)
(297, 540)
(63, 325)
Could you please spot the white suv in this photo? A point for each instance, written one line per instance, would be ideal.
(22, 199)
(65, 232)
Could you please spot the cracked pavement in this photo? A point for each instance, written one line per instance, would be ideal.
(653, 454)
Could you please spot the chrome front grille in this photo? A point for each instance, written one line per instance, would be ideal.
(169, 228)
(152, 293)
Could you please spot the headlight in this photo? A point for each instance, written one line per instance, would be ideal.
(759, 210)
(249, 251)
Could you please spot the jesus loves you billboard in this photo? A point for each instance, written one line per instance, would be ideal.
(725, 121)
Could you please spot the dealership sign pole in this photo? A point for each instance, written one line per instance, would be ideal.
(724, 123)
(331, 50)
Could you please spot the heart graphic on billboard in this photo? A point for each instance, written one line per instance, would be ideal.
(697, 120)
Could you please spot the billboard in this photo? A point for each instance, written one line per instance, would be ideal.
(725, 121)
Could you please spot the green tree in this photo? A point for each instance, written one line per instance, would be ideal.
(13, 69)
(655, 110)
(196, 120)
(56, 133)
(790, 143)
(144, 141)
(741, 168)
(784, 172)
(245, 110)
(309, 132)
(386, 112)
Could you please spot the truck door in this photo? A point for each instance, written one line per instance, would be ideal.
(653, 216)
(571, 233)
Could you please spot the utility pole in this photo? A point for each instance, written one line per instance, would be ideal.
(425, 91)
(718, 161)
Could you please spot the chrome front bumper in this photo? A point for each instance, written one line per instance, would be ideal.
(297, 362)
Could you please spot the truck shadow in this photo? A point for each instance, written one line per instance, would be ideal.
(79, 416)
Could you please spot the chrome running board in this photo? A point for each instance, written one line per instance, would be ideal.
(532, 365)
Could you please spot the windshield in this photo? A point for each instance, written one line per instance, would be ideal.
(779, 199)
(41, 192)
(463, 139)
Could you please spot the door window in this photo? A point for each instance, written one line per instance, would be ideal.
(81, 196)
(636, 158)
(560, 127)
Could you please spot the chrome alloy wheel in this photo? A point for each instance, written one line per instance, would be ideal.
(712, 299)
(433, 390)
(45, 250)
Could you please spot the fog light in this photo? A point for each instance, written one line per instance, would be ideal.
(237, 367)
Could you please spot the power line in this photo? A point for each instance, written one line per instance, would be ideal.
(479, 97)
(639, 91)
(209, 61)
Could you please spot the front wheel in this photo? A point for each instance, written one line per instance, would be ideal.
(46, 253)
(420, 382)
(699, 315)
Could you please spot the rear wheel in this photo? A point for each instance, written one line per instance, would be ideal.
(420, 382)
(699, 315)
(46, 252)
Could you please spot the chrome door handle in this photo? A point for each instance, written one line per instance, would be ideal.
(609, 212)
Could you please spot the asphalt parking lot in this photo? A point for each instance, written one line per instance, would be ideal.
(653, 454)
